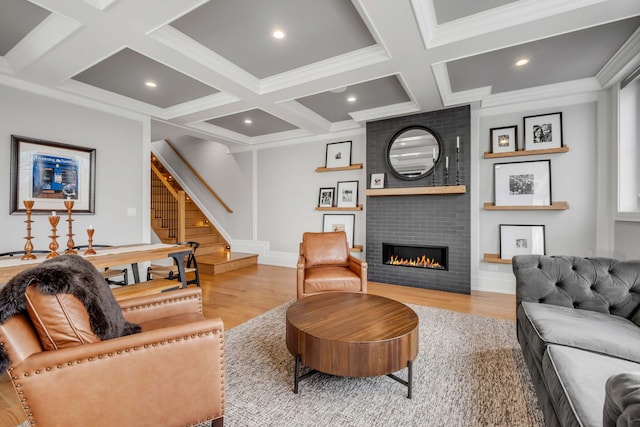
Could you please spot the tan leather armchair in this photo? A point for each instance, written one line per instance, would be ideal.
(325, 265)
(170, 374)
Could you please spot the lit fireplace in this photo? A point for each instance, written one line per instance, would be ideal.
(431, 257)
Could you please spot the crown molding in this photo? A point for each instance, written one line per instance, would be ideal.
(556, 90)
(384, 112)
(339, 64)
(206, 102)
(449, 97)
(509, 15)
(53, 30)
(4, 66)
(305, 113)
(100, 4)
(195, 51)
(622, 62)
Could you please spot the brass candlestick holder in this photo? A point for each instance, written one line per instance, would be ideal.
(28, 246)
(53, 246)
(90, 250)
(70, 243)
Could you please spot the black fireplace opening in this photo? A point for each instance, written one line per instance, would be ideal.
(430, 257)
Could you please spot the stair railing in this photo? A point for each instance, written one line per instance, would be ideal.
(168, 204)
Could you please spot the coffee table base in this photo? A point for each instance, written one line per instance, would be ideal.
(408, 382)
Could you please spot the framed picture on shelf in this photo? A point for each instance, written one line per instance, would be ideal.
(347, 194)
(49, 173)
(340, 222)
(377, 180)
(338, 154)
(522, 183)
(326, 197)
(521, 240)
(504, 139)
(543, 131)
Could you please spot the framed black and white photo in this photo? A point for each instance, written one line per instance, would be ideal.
(347, 194)
(338, 154)
(504, 139)
(521, 240)
(543, 131)
(377, 180)
(522, 183)
(340, 222)
(325, 199)
(49, 173)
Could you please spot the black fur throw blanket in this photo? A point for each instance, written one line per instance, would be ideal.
(67, 274)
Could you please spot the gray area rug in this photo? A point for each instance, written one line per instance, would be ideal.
(469, 372)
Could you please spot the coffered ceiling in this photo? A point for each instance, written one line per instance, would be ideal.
(214, 70)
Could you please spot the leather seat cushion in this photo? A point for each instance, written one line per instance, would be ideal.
(576, 382)
(325, 249)
(331, 279)
(61, 320)
(544, 324)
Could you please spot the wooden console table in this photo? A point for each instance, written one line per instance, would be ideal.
(108, 257)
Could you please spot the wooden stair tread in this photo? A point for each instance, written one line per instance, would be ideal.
(222, 262)
(223, 257)
(150, 287)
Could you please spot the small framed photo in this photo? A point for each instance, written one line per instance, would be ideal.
(521, 240)
(504, 139)
(338, 154)
(325, 200)
(340, 222)
(522, 183)
(347, 194)
(377, 180)
(543, 131)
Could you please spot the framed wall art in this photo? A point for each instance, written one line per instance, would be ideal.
(338, 154)
(325, 199)
(504, 139)
(377, 180)
(347, 194)
(521, 240)
(49, 173)
(522, 183)
(543, 131)
(340, 222)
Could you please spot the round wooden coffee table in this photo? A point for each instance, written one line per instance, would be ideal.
(352, 335)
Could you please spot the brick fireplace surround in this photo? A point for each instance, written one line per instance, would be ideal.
(421, 220)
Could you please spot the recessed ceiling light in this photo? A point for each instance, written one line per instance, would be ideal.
(521, 62)
(278, 34)
(150, 83)
(351, 99)
(248, 121)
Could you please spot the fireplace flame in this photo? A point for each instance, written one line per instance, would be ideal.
(423, 261)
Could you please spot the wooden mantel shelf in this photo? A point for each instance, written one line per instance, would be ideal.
(416, 191)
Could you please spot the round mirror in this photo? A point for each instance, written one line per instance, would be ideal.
(413, 152)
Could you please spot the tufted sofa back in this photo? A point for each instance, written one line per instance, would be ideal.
(596, 284)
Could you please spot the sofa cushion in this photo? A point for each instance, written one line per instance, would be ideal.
(545, 324)
(622, 400)
(60, 320)
(325, 249)
(323, 279)
(576, 379)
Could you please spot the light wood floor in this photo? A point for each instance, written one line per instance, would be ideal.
(241, 295)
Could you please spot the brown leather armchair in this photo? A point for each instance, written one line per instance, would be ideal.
(325, 265)
(170, 374)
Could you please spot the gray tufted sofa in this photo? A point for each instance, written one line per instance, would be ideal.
(578, 323)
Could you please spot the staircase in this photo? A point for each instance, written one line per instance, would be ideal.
(175, 218)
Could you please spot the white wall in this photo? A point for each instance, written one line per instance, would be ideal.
(573, 176)
(120, 179)
(288, 189)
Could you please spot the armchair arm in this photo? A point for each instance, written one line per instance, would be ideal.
(165, 304)
(170, 376)
(300, 276)
(622, 400)
(360, 267)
